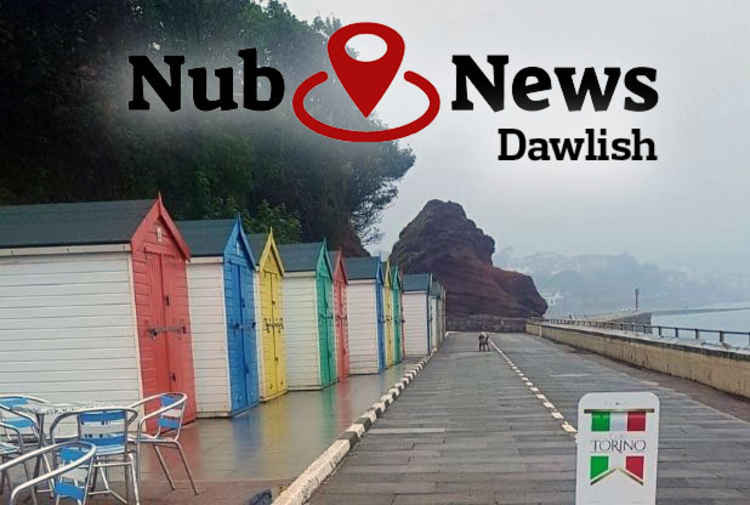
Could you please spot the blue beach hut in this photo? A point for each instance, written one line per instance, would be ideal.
(220, 287)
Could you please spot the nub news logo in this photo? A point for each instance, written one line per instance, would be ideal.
(623, 450)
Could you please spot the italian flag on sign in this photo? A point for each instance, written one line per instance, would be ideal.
(618, 421)
(602, 466)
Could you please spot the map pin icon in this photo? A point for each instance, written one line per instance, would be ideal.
(366, 81)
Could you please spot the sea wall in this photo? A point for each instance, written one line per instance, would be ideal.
(713, 365)
(487, 322)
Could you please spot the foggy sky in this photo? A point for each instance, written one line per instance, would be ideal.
(692, 204)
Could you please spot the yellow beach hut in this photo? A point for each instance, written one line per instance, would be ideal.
(269, 315)
(389, 328)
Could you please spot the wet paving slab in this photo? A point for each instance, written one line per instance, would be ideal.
(704, 447)
(450, 438)
(266, 447)
(469, 431)
(279, 439)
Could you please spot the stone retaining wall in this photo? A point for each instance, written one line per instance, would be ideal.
(723, 369)
(487, 322)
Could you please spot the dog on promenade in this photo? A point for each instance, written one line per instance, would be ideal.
(484, 342)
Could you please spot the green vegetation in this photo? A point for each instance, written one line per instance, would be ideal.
(68, 134)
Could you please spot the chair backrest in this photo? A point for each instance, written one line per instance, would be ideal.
(173, 411)
(24, 423)
(167, 417)
(103, 428)
(74, 483)
(70, 476)
(11, 440)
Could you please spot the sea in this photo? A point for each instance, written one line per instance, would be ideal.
(738, 320)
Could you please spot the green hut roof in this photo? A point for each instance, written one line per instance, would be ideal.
(59, 224)
(207, 237)
(302, 257)
(257, 243)
(362, 268)
(417, 282)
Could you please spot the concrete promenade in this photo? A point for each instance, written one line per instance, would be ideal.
(469, 430)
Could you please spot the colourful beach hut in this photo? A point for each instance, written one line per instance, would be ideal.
(94, 302)
(388, 310)
(365, 309)
(268, 280)
(398, 319)
(341, 319)
(308, 305)
(437, 305)
(417, 314)
(220, 287)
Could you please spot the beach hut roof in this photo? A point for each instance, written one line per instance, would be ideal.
(332, 257)
(257, 243)
(437, 288)
(61, 224)
(303, 257)
(362, 268)
(417, 282)
(207, 237)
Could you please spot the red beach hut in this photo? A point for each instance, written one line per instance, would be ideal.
(341, 317)
(114, 324)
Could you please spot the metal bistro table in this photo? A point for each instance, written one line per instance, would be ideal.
(44, 410)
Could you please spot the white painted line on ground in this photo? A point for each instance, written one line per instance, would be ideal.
(566, 426)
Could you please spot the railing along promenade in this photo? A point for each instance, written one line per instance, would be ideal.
(662, 331)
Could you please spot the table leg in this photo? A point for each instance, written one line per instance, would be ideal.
(38, 464)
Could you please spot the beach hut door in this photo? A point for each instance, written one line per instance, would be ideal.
(238, 362)
(277, 329)
(341, 331)
(380, 325)
(161, 271)
(325, 370)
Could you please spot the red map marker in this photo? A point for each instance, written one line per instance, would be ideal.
(366, 81)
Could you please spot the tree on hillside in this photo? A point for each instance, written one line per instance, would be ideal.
(69, 136)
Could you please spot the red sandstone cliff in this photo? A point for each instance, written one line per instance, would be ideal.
(442, 240)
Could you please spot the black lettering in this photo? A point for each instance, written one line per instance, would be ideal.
(638, 142)
(226, 89)
(504, 155)
(590, 144)
(589, 85)
(650, 97)
(252, 73)
(602, 141)
(538, 150)
(522, 88)
(622, 146)
(492, 91)
(564, 147)
(169, 92)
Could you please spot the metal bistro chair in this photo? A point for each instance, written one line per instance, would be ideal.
(26, 425)
(169, 419)
(69, 479)
(11, 446)
(107, 430)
